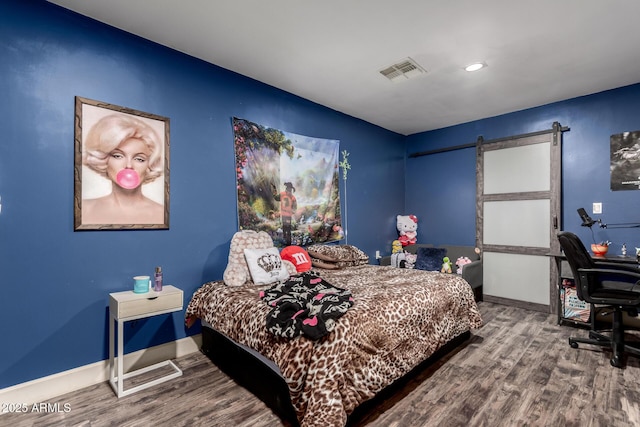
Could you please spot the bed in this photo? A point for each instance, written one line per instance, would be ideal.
(399, 318)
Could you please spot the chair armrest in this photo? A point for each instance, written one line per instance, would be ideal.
(619, 273)
(472, 273)
(606, 278)
(617, 266)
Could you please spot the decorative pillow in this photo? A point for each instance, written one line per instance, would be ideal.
(290, 267)
(298, 257)
(325, 264)
(338, 255)
(237, 271)
(430, 258)
(265, 265)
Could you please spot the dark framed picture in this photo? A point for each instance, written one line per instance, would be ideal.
(625, 161)
(121, 171)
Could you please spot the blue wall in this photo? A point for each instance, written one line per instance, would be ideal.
(441, 187)
(55, 282)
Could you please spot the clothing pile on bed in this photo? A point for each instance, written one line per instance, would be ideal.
(305, 305)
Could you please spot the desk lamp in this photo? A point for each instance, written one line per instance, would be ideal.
(587, 221)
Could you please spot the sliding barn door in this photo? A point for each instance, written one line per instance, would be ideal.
(518, 203)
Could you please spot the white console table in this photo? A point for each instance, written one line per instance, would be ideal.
(126, 306)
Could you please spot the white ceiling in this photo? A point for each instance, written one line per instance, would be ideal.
(331, 51)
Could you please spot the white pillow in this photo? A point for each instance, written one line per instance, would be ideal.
(265, 265)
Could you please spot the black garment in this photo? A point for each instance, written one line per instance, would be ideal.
(305, 305)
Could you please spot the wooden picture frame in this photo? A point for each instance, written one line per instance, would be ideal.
(121, 168)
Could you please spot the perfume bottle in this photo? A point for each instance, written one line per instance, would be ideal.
(158, 280)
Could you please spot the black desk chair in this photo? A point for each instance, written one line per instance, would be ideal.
(614, 285)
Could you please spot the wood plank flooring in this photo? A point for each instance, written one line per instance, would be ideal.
(517, 370)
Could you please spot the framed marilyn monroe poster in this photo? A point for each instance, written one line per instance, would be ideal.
(121, 170)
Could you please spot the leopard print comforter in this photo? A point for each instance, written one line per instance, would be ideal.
(400, 317)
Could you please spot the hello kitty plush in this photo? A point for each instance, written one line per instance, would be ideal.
(407, 226)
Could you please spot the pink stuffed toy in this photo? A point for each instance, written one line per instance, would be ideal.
(407, 229)
(463, 260)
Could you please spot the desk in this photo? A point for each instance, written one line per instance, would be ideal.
(620, 259)
(564, 272)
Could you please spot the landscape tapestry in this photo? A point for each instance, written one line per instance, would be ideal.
(287, 185)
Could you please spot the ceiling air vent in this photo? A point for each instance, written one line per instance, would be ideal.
(403, 70)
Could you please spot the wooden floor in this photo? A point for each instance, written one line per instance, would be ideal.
(517, 370)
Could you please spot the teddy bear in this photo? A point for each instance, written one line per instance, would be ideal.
(407, 226)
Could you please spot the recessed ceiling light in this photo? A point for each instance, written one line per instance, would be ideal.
(475, 67)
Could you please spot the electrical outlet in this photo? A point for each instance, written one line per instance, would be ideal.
(597, 208)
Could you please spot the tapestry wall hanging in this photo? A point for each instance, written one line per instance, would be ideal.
(287, 185)
(625, 161)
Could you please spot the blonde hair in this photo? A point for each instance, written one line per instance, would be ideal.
(111, 131)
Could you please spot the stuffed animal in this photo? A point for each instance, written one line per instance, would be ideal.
(463, 260)
(410, 260)
(396, 247)
(403, 260)
(407, 226)
(446, 265)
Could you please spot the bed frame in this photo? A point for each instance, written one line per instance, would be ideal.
(268, 385)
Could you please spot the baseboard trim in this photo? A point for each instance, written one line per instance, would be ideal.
(45, 388)
(543, 308)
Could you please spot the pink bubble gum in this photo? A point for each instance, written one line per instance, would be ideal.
(128, 178)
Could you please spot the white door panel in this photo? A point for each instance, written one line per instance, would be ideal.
(517, 277)
(517, 169)
(517, 223)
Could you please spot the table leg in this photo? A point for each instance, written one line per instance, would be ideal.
(120, 371)
(112, 374)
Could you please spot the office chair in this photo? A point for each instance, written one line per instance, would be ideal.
(613, 285)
